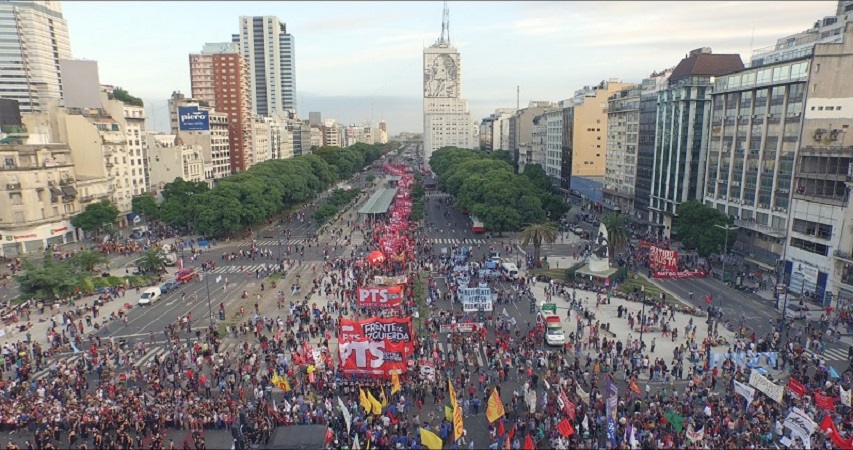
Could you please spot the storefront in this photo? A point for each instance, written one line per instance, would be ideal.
(37, 239)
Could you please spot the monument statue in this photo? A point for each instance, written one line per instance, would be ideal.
(599, 259)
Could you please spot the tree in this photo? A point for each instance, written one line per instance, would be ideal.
(122, 96)
(96, 216)
(145, 205)
(87, 260)
(695, 228)
(537, 234)
(617, 232)
(152, 260)
(497, 218)
(536, 174)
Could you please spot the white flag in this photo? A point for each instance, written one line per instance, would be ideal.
(347, 414)
(845, 396)
(219, 278)
(746, 391)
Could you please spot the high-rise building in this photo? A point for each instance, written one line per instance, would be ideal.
(447, 120)
(269, 51)
(623, 126)
(554, 145)
(656, 82)
(198, 124)
(819, 251)
(521, 132)
(35, 39)
(756, 116)
(681, 133)
(219, 76)
(590, 127)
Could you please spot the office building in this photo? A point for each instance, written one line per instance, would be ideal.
(35, 39)
(447, 120)
(269, 51)
(197, 124)
(657, 81)
(681, 132)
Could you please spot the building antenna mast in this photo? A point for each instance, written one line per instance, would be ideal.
(517, 97)
(445, 25)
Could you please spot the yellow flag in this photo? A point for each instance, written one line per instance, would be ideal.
(458, 427)
(285, 385)
(452, 394)
(495, 408)
(363, 401)
(383, 398)
(395, 383)
(375, 405)
(448, 413)
(430, 440)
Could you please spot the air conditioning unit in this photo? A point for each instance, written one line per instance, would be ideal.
(833, 135)
(818, 134)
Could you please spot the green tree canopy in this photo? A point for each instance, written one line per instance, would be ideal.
(145, 205)
(617, 232)
(697, 227)
(96, 216)
(538, 234)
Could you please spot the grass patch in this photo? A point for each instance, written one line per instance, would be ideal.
(637, 283)
(556, 274)
(275, 276)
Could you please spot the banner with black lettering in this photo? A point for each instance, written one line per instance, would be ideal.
(375, 346)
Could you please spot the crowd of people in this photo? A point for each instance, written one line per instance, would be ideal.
(562, 397)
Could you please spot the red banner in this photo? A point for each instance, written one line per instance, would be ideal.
(799, 389)
(824, 401)
(663, 259)
(684, 274)
(380, 296)
(376, 346)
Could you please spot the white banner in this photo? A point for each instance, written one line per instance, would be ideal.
(390, 281)
(530, 397)
(766, 386)
(845, 396)
(347, 414)
(800, 424)
(584, 396)
(695, 436)
(747, 392)
(476, 299)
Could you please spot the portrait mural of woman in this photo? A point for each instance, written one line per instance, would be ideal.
(440, 77)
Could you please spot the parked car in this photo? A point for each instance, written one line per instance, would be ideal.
(169, 286)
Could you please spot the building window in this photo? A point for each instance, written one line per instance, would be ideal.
(19, 217)
(16, 198)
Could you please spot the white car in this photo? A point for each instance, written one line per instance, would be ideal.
(149, 296)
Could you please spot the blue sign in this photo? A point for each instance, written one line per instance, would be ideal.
(190, 118)
(202, 243)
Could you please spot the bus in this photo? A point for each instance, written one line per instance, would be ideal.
(476, 225)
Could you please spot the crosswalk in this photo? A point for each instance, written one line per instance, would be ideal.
(831, 354)
(251, 268)
(462, 358)
(473, 241)
(283, 242)
(436, 195)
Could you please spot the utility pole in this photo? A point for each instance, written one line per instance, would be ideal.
(725, 249)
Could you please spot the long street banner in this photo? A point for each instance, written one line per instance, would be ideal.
(682, 274)
(766, 386)
(375, 346)
(663, 259)
(380, 296)
(389, 281)
(476, 299)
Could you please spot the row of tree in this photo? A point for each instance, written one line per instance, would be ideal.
(485, 184)
(244, 199)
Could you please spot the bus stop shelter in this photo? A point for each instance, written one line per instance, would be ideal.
(379, 203)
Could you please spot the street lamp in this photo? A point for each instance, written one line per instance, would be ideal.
(642, 316)
(726, 247)
(209, 308)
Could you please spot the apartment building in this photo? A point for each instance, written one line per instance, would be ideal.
(521, 126)
(270, 52)
(204, 126)
(261, 136)
(657, 82)
(623, 138)
(219, 77)
(170, 159)
(39, 196)
(332, 133)
(35, 39)
(131, 120)
(590, 127)
(553, 145)
(681, 131)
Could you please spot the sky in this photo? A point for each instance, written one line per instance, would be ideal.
(361, 62)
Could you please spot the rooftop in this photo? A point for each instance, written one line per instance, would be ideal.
(707, 64)
(379, 202)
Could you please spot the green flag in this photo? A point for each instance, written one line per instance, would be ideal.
(676, 420)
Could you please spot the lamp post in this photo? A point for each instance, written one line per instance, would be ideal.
(725, 248)
(209, 308)
(642, 316)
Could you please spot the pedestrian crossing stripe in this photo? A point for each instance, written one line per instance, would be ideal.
(436, 195)
(462, 357)
(458, 241)
(248, 268)
(282, 242)
(830, 354)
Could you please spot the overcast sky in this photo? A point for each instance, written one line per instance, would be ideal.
(361, 61)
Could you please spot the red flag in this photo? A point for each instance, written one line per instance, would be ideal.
(501, 429)
(828, 427)
(528, 443)
(708, 299)
(511, 433)
(566, 405)
(565, 428)
(799, 389)
(824, 401)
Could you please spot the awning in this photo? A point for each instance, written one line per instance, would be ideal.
(69, 190)
(55, 192)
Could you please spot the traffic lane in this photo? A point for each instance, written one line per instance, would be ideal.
(733, 304)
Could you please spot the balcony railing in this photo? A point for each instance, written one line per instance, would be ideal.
(840, 254)
(761, 228)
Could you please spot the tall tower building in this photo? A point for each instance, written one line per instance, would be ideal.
(37, 39)
(220, 77)
(269, 51)
(447, 120)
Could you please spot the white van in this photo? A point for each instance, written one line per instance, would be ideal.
(510, 270)
(149, 296)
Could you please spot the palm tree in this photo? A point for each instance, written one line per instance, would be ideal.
(153, 260)
(536, 234)
(617, 232)
(87, 260)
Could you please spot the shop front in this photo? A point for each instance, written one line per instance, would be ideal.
(36, 239)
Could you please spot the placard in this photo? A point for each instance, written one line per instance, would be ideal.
(764, 385)
(476, 299)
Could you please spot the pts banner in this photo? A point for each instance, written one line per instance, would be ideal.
(380, 296)
(375, 346)
(663, 259)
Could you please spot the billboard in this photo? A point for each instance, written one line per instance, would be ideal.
(375, 346)
(190, 118)
(380, 296)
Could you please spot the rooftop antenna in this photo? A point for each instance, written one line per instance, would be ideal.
(518, 97)
(445, 25)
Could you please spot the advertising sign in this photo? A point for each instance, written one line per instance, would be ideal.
(375, 346)
(476, 299)
(663, 259)
(380, 296)
(190, 118)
